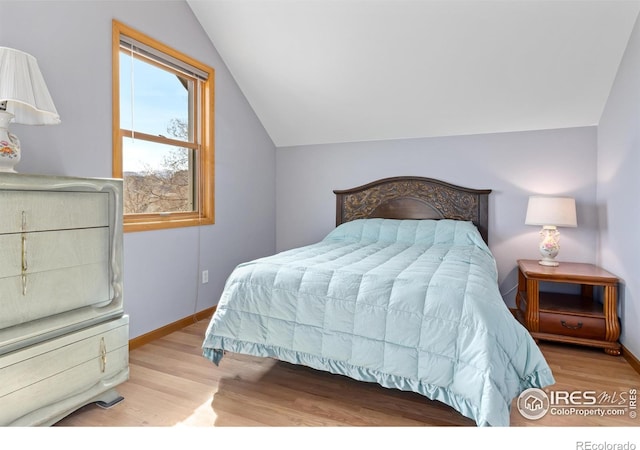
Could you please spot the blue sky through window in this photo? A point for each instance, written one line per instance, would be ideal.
(157, 97)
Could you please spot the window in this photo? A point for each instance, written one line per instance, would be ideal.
(162, 133)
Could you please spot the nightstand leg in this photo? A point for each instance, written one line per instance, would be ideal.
(532, 319)
(612, 326)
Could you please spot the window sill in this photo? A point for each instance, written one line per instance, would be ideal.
(154, 222)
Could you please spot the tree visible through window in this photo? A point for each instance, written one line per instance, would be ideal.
(163, 133)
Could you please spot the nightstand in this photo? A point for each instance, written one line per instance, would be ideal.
(571, 318)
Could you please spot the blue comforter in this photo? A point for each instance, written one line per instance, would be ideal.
(409, 304)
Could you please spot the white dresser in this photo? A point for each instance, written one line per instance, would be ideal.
(63, 332)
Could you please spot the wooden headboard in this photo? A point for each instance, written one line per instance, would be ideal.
(414, 198)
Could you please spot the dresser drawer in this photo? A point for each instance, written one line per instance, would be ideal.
(572, 325)
(52, 250)
(39, 211)
(85, 363)
(71, 266)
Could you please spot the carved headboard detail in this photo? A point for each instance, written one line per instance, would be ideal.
(414, 198)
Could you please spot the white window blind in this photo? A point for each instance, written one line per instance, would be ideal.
(131, 45)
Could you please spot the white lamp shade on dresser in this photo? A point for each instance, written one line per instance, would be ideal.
(23, 89)
(24, 99)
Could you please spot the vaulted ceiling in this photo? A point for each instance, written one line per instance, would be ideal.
(325, 71)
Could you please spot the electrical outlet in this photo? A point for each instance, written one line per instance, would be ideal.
(205, 276)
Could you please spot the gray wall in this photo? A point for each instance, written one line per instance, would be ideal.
(513, 165)
(72, 42)
(619, 187)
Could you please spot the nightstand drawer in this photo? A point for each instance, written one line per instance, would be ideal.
(572, 325)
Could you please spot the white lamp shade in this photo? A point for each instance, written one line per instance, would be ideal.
(552, 211)
(22, 86)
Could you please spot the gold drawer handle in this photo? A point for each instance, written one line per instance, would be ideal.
(103, 355)
(24, 253)
(571, 327)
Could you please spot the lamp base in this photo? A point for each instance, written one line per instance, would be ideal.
(9, 144)
(549, 245)
(548, 262)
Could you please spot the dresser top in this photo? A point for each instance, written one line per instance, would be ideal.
(25, 181)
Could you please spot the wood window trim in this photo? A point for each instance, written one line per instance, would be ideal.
(205, 211)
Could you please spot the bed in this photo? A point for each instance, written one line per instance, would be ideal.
(403, 293)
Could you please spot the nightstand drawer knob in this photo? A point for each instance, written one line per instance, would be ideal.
(571, 327)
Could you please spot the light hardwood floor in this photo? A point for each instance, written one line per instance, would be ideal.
(171, 384)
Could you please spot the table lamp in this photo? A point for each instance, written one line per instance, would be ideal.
(550, 213)
(24, 99)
